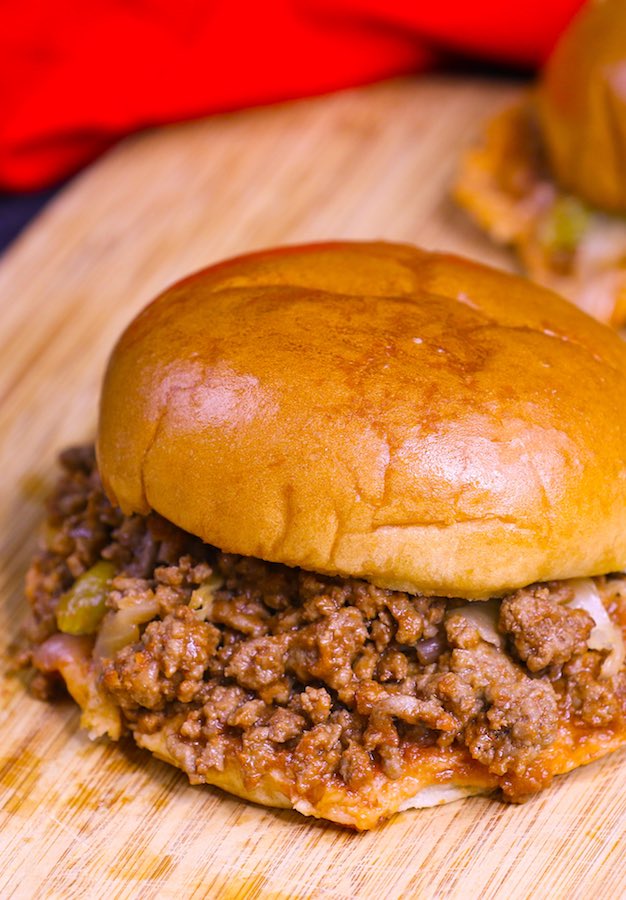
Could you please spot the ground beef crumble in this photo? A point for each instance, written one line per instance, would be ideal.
(332, 677)
(542, 630)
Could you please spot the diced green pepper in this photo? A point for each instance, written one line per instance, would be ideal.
(565, 226)
(82, 607)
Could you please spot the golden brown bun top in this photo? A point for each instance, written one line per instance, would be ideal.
(582, 105)
(375, 410)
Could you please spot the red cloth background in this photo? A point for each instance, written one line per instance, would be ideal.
(75, 76)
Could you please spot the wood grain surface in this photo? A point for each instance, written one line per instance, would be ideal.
(98, 820)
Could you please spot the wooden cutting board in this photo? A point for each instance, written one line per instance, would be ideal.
(100, 820)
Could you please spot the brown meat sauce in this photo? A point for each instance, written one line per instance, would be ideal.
(323, 678)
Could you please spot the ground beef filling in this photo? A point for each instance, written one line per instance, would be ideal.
(329, 678)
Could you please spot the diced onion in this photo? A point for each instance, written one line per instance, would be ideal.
(483, 614)
(605, 635)
(202, 598)
(121, 627)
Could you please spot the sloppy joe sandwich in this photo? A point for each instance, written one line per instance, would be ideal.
(549, 176)
(353, 537)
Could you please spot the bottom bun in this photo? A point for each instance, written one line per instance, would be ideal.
(427, 782)
(431, 778)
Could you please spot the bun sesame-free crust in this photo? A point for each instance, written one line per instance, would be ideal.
(374, 410)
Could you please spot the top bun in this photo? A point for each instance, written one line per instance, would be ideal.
(374, 410)
(582, 105)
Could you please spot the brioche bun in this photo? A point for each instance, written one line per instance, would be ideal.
(374, 410)
(582, 106)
